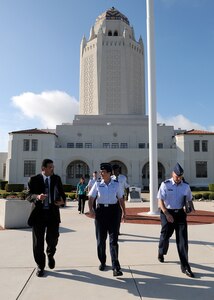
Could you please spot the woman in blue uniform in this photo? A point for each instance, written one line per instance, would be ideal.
(109, 199)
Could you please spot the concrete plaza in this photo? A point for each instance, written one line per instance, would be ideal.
(76, 275)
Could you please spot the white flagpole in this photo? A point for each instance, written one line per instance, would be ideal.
(153, 170)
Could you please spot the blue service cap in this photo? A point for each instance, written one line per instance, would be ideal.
(178, 170)
(106, 166)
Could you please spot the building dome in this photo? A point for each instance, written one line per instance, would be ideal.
(112, 14)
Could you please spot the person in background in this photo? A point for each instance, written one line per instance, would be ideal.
(81, 195)
(45, 192)
(91, 183)
(172, 196)
(109, 199)
(92, 180)
(122, 180)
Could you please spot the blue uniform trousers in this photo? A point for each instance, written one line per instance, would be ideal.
(180, 227)
(106, 222)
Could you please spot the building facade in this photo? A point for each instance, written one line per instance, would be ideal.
(112, 125)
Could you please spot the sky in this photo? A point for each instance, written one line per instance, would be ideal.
(39, 60)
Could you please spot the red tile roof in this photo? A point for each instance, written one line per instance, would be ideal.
(33, 131)
(198, 132)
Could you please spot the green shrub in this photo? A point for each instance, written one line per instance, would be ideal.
(22, 195)
(206, 195)
(211, 187)
(211, 196)
(72, 195)
(198, 196)
(13, 194)
(199, 188)
(10, 187)
(67, 188)
(2, 184)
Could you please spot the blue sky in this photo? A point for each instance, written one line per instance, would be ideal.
(39, 59)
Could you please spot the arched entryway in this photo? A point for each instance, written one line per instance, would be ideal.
(145, 175)
(75, 170)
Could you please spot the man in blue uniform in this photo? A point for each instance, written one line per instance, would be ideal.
(109, 199)
(122, 180)
(92, 180)
(172, 196)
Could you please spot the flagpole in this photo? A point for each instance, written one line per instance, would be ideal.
(153, 162)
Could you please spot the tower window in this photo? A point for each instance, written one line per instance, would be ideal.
(123, 145)
(88, 145)
(79, 145)
(34, 145)
(70, 145)
(141, 145)
(196, 146)
(160, 145)
(116, 33)
(106, 145)
(110, 33)
(204, 146)
(29, 168)
(26, 145)
(115, 145)
(201, 169)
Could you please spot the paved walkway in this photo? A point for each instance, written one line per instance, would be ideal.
(76, 275)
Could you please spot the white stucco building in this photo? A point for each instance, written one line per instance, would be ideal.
(112, 125)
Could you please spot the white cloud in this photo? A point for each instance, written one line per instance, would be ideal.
(182, 122)
(211, 128)
(51, 108)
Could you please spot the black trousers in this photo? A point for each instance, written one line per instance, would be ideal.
(180, 228)
(81, 203)
(106, 223)
(46, 229)
(119, 218)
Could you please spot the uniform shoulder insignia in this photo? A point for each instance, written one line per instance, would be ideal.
(168, 180)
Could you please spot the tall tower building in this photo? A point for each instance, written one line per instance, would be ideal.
(112, 79)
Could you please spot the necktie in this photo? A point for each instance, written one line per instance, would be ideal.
(46, 201)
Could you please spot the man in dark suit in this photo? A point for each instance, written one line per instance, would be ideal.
(45, 192)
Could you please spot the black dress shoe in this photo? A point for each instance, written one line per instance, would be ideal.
(117, 272)
(51, 262)
(102, 267)
(161, 258)
(188, 272)
(39, 272)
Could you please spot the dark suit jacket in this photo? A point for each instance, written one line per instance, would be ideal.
(36, 186)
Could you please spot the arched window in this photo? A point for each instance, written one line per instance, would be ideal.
(110, 33)
(75, 170)
(116, 33)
